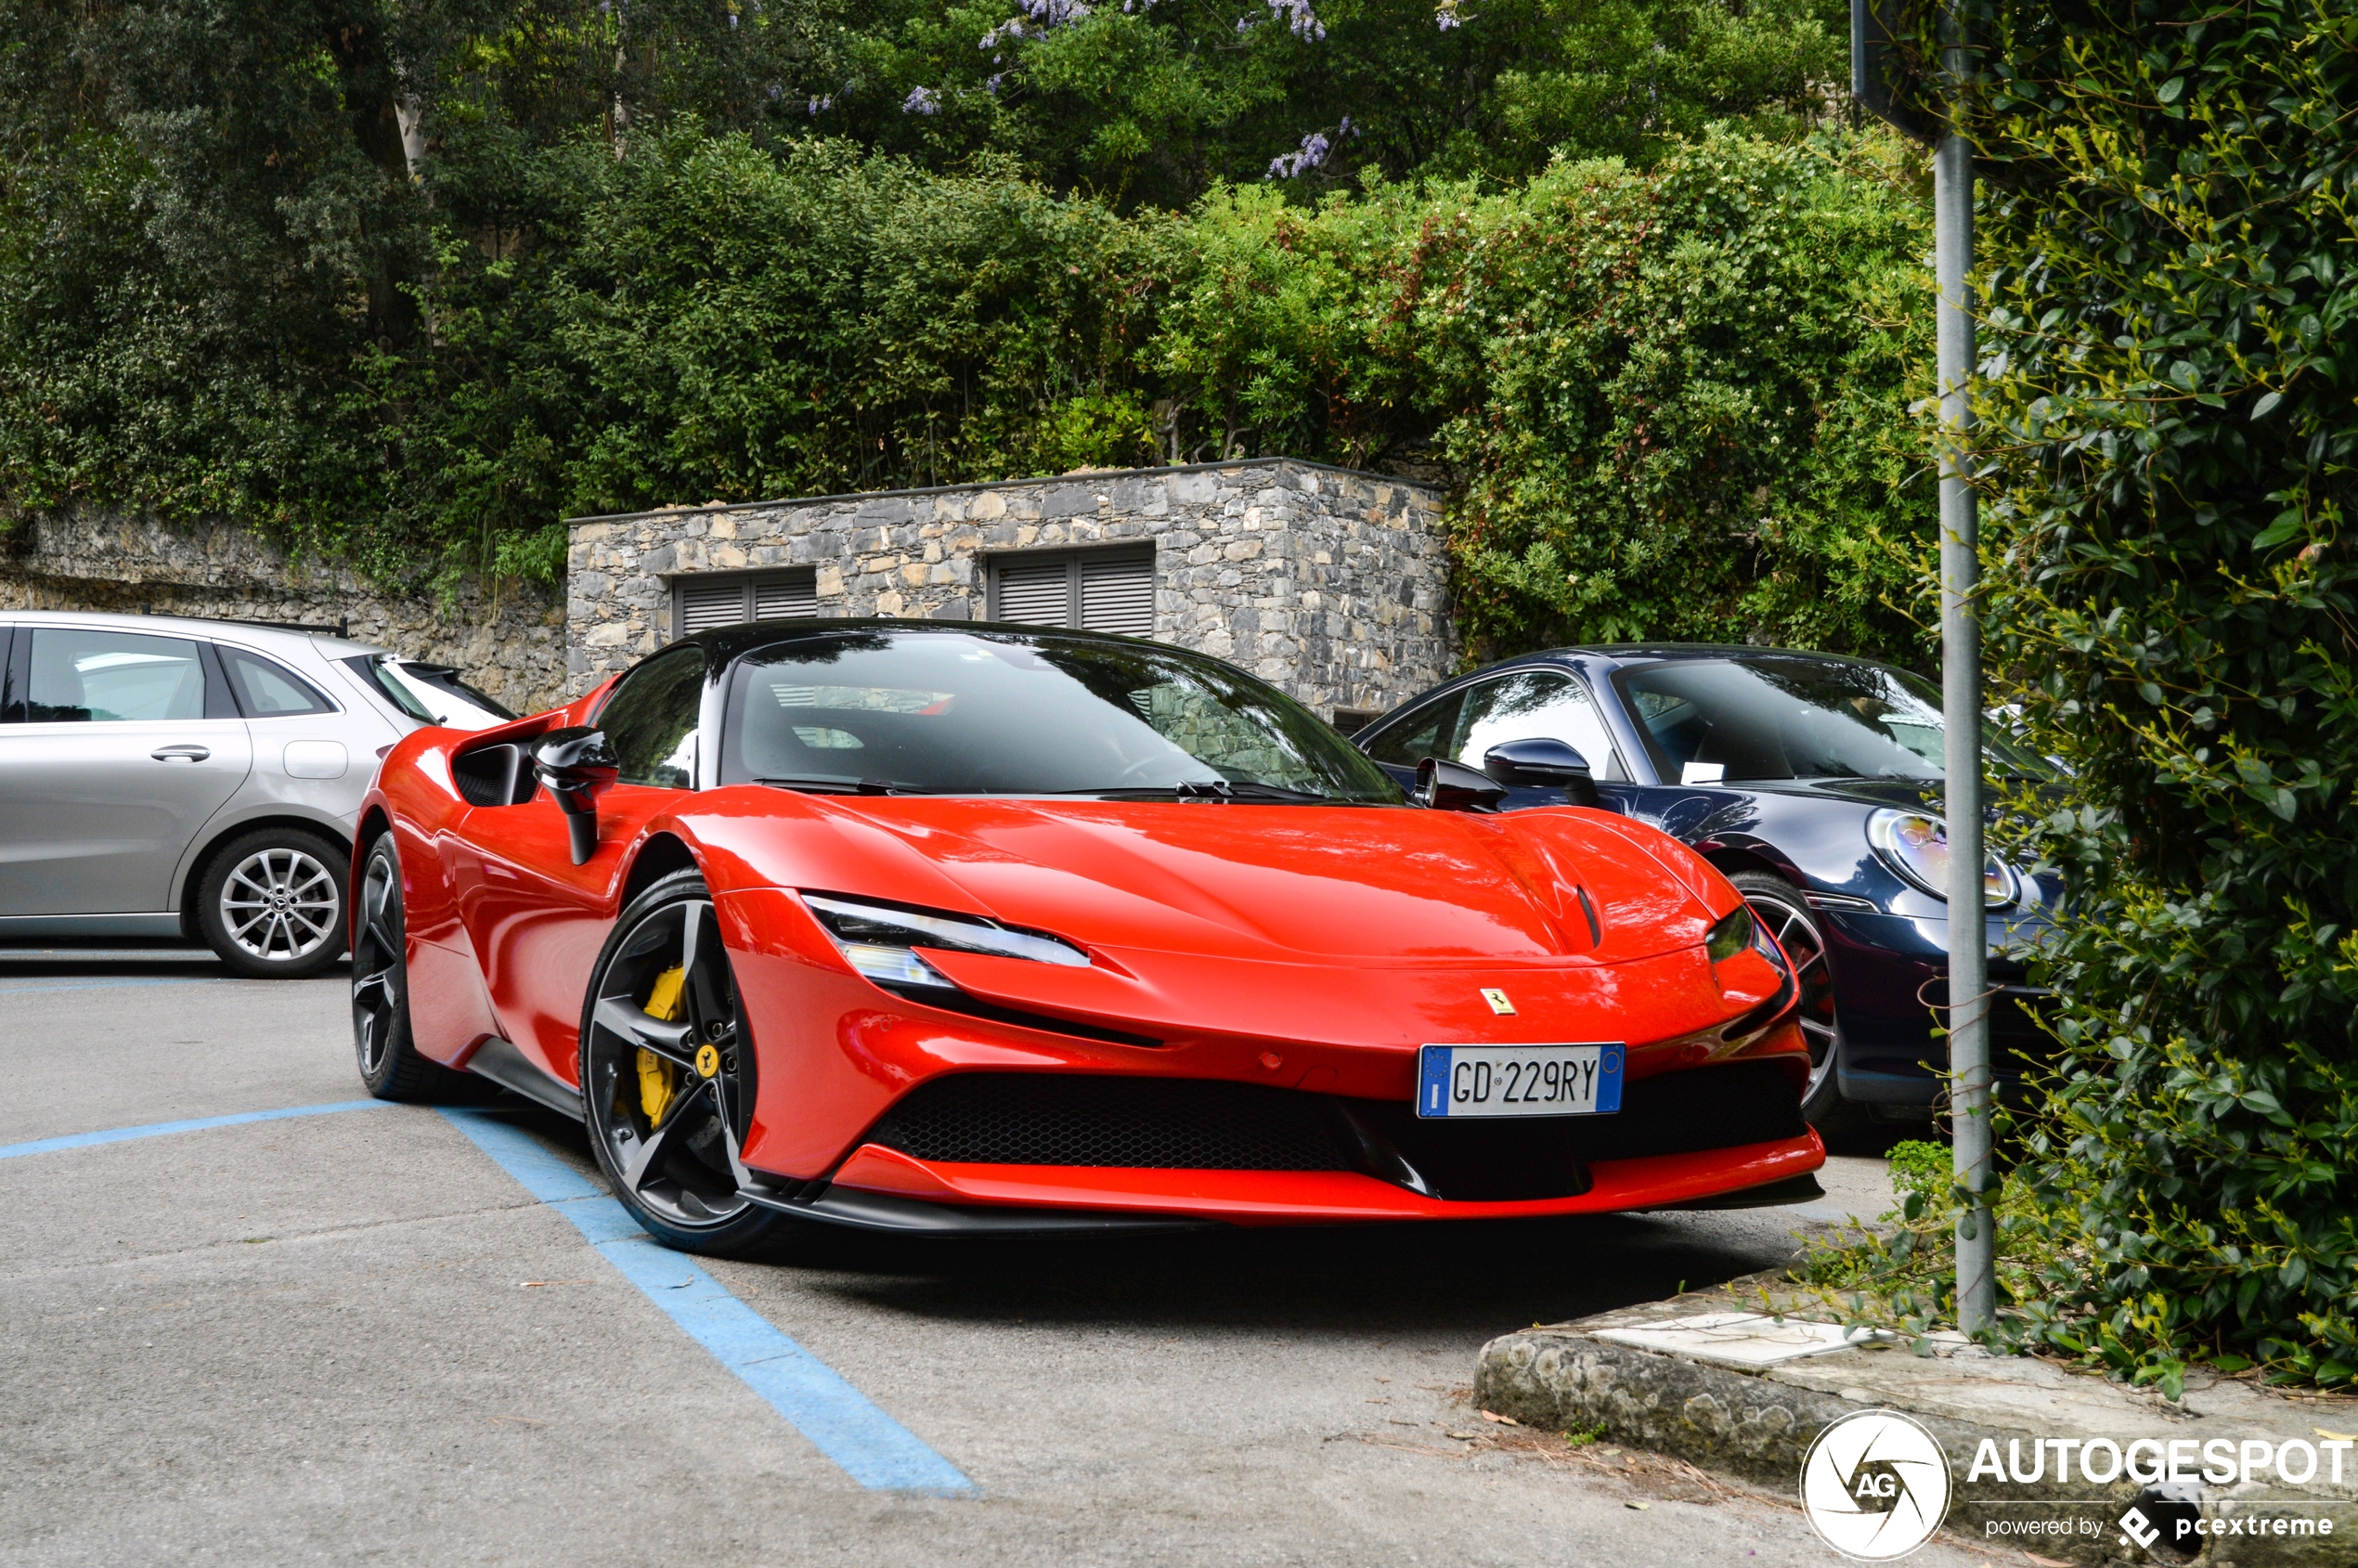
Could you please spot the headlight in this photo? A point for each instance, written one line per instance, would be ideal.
(876, 940)
(1731, 936)
(1917, 848)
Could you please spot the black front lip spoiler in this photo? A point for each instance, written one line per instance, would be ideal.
(909, 1216)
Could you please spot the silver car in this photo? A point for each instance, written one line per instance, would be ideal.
(162, 777)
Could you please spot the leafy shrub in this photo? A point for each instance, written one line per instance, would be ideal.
(1674, 400)
(2166, 446)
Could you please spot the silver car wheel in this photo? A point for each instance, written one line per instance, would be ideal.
(279, 904)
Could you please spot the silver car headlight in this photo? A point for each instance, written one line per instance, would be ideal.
(877, 939)
(1916, 845)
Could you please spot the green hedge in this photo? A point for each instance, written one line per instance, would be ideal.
(1672, 402)
(2168, 433)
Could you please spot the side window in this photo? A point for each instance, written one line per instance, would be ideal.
(651, 720)
(111, 676)
(1417, 734)
(1529, 703)
(267, 690)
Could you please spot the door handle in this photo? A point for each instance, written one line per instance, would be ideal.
(187, 752)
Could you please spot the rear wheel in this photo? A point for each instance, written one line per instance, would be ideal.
(271, 903)
(668, 1076)
(389, 1064)
(1781, 907)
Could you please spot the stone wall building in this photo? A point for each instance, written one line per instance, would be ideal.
(1328, 583)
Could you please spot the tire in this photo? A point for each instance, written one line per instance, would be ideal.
(667, 1094)
(1780, 906)
(271, 903)
(391, 1068)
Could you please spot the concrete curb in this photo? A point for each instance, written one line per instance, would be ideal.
(1758, 1423)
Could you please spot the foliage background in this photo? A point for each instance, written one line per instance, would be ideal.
(409, 282)
(2165, 455)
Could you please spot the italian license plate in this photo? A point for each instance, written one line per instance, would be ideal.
(1519, 1080)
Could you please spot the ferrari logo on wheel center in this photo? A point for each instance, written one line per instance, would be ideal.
(707, 1060)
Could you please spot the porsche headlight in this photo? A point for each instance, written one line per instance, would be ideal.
(877, 939)
(1917, 848)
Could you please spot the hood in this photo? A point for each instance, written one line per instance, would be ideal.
(1369, 884)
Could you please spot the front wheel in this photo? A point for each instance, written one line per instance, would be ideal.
(668, 1076)
(1779, 905)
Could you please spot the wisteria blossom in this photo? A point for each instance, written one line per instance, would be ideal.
(921, 100)
(1446, 16)
(1300, 18)
(824, 103)
(1315, 148)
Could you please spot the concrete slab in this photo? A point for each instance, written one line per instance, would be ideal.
(1739, 1339)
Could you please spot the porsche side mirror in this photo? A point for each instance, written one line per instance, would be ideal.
(1444, 786)
(578, 766)
(1538, 761)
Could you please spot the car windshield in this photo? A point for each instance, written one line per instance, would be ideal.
(1012, 713)
(1784, 716)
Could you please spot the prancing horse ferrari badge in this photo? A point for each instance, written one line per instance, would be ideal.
(708, 1059)
(1498, 1002)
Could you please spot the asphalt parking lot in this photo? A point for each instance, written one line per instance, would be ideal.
(357, 1335)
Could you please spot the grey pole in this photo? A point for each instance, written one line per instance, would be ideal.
(1961, 704)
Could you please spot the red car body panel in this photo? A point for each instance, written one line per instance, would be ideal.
(1298, 947)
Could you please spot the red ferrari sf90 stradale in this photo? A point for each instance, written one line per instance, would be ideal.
(972, 928)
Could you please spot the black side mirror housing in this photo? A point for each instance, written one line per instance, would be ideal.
(578, 766)
(1443, 785)
(1538, 761)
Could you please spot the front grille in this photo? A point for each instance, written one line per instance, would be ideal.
(1153, 1123)
(1497, 1160)
(1187, 1124)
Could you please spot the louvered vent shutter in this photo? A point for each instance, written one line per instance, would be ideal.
(1118, 593)
(1036, 592)
(784, 598)
(704, 606)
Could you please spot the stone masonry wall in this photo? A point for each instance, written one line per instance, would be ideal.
(511, 642)
(1328, 583)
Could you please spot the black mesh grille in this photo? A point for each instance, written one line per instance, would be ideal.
(1165, 1124)
(1155, 1123)
(1670, 1113)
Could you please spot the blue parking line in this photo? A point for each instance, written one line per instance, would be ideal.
(159, 1129)
(103, 985)
(871, 1447)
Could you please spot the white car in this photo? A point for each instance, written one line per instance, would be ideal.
(162, 777)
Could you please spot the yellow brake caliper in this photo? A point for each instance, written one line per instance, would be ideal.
(658, 1080)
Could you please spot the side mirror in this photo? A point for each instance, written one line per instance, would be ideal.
(578, 766)
(1443, 785)
(1538, 761)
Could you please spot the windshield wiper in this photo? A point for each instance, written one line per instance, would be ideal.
(1209, 789)
(851, 787)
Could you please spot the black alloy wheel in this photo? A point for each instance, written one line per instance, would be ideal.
(1780, 907)
(668, 1076)
(389, 1064)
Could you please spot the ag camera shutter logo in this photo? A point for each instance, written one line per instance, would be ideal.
(1874, 1485)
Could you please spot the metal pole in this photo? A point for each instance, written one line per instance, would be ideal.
(1961, 704)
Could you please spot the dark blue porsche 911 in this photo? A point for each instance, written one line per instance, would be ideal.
(1813, 781)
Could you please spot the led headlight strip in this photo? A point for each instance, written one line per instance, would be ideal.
(877, 939)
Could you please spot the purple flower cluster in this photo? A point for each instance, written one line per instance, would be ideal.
(921, 100)
(1446, 16)
(1314, 151)
(1300, 18)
